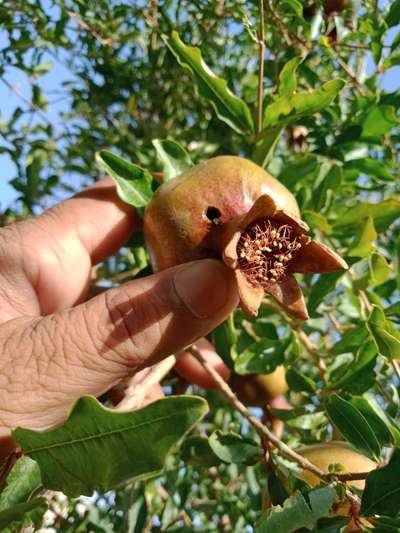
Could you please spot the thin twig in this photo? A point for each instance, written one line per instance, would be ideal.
(261, 58)
(31, 106)
(82, 24)
(154, 16)
(136, 392)
(264, 432)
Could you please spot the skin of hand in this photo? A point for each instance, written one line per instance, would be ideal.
(55, 345)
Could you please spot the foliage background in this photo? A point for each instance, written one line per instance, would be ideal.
(80, 76)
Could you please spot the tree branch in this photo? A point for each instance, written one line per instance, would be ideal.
(265, 433)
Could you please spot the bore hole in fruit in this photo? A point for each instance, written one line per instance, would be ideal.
(213, 214)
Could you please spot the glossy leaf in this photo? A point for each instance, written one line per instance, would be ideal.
(22, 481)
(375, 417)
(364, 238)
(233, 448)
(173, 156)
(296, 512)
(374, 271)
(384, 214)
(385, 334)
(261, 357)
(353, 426)
(382, 489)
(133, 182)
(369, 166)
(228, 107)
(287, 109)
(287, 77)
(72, 457)
(351, 340)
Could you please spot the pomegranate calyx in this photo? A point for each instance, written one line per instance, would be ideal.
(266, 246)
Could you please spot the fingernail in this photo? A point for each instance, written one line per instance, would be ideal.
(203, 287)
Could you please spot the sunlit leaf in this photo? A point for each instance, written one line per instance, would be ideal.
(261, 357)
(133, 182)
(173, 156)
(385, 334)
(383, 213)
(287, 109)
(287, 77)
(366, 234)
(228, 107)
(21, 482)
(380, 120)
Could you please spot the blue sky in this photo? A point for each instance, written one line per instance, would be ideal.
(389, 81)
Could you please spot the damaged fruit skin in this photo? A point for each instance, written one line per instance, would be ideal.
(178, 220)
(230, 208)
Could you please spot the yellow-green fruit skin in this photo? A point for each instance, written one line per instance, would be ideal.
(256, 390)
(337, 452)
(322, 455)
(176, 227)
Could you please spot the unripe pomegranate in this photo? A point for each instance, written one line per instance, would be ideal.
(257, 390)
(322, 455)
(334, 452)
(230, 208)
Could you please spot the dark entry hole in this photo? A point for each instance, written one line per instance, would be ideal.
(212, 213)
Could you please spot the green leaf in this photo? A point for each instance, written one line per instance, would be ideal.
(351, 340)
(374, 271)
(360, 375)
(23, 515)
(299, 382)
(321, 288)
(385, 334)
(97, 448)
(316, 221)
(196, 451)
(376, 418)
(266, 145)
(393, 17)
(380, 120)
(261, 357)
(297, 512)
(133, 182)
(173, 156)
(287, 77)
(233, 448)
(229, 108)
(362, 244)
(353, 426)
(383, 213)
(22, 481)
(289, 108)
(382, 489)
(368, 166)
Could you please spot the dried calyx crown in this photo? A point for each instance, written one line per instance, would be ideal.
(265, 250)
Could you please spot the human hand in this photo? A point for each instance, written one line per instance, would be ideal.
(54, 345)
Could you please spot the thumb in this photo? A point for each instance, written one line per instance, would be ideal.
(89, 348)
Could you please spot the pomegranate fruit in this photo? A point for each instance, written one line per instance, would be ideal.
(257, 390)
(230, 208)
